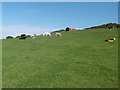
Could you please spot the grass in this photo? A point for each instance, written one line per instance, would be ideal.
(78, 59)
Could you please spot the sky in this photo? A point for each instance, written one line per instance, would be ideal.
(40, 17)
(60, 0)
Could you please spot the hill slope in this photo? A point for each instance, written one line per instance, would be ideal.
(78, 59)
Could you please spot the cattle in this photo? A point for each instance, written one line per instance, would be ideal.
(23, 36)
(110, 40)
(47, 34)
(33, 37)
(58, 34)
(67, 29)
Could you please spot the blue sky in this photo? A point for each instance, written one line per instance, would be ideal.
(39, 17)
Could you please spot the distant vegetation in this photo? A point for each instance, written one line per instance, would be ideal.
(106, 26)
(17, 36)
(58, 30)
(9, 37)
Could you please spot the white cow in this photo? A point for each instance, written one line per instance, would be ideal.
(58, 34)
(47, 34)
(33, 37)
(110, 39)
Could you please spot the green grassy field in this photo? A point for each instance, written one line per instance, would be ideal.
(78, 59)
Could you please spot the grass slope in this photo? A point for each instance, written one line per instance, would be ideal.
(80, 59)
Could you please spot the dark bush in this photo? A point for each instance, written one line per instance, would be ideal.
(17, 36)
(9, 37)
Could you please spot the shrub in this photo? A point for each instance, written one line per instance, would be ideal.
(17, 36)
(9, 37)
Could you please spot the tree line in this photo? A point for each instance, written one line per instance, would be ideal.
(106, 26)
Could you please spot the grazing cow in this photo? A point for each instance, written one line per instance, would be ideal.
(110, 40)
(58, 34)
(33, 37)
(23, 36)
(67, 29)
(47, 34)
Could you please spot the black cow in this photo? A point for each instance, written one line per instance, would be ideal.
(23, 36)
(67, 29)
